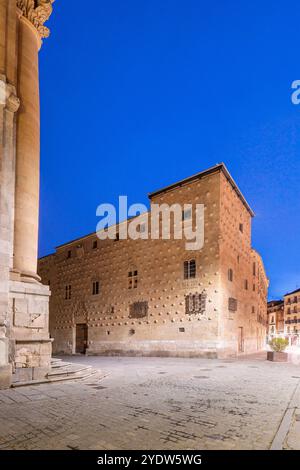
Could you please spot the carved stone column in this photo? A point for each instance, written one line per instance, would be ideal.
(33, 14)
(30, 344)
(25, 346)
(9, 105)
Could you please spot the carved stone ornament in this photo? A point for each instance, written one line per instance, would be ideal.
(37, 12)
(8, 96)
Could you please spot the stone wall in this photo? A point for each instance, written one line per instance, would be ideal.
(249, 285)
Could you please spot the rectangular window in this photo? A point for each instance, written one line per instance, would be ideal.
(241, 228)
(195, 303)
(132, 280)
(68, 292)
(246, 284)
(95, 244)
(232, 304)
(138, 310)
(189, 269)
(230, 275)
(96, 287)
(186, 214)
(254, 269)
(69, 254)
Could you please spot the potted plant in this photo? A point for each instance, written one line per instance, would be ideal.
(278, 346)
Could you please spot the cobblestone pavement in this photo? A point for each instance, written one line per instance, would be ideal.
(156, 403)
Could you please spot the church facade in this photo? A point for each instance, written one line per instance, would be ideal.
(153, 297)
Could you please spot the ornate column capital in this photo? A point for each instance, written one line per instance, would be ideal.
(37, 12)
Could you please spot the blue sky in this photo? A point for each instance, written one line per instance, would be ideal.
(137, 95)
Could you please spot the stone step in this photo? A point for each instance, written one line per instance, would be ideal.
(55, 360)
(64, 371)
(64, 364)
(45, 381)
(68, 371)
(60, 365)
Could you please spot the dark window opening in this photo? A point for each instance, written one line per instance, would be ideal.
(133, 280)
(96, 287)
(138, 310)
(232, 304)
(189, 268)
(195, 303)
(68, 292)
(186, 214)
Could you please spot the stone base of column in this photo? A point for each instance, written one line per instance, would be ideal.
(30, 344)
(5, 367)
(5, 376)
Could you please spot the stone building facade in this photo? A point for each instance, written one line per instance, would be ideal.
(275, 319)
(153, 297)
(292, 317)
(25, 345)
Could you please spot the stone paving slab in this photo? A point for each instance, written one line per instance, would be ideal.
(154, 403)
(292, 440)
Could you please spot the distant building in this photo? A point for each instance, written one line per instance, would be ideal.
(152, 297)
(292, 317)
(275, 319)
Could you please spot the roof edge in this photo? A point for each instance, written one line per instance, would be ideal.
(293, 292)
(214, 169)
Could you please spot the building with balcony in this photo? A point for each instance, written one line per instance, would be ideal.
(292, 317)
(275, 319)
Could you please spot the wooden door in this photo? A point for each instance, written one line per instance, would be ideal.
(81, 338)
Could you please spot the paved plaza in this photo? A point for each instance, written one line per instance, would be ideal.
(158, 403)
